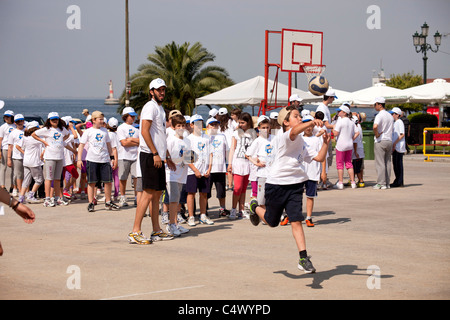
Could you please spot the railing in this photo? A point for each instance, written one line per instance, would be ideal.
(441, 138)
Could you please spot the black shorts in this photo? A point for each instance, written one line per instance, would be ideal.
(283, 197)
(357, 165)
(152, 177)
(201, 184)
(98, 172)
(219, 180)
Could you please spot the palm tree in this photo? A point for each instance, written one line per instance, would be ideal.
(183, 69)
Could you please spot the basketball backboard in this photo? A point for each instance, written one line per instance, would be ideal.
(300, 47)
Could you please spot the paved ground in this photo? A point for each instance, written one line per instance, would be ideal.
(404, 232)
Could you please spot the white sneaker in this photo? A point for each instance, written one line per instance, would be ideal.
(339, 186)
(180, 218)
(182, 229)
(123, 201)
(15, 193)
(232, 215)
(353, 184)
(173, 230)
(165, 218)
(191, 222)
(205, 220)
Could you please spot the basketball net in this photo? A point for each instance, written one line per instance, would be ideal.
(313, 70)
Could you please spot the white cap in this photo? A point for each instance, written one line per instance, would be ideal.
(273, 115)
(67, 119)
(32, 124)
(396, 110)
(344, 108)
(262, 118)
(305, 113)
(130, 111)
(9, 113)
(331, 93)
(53, 115)
(223, 111)
(18, 117)
(379, 100)
(188, 119)
(2, 104)
(211, 120)
(213, 112)
(157, 83)
(295, 97)
(113, 122)
(307, 118)
(196, 117)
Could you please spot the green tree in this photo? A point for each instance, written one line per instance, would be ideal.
(403, 81)
(183, 68)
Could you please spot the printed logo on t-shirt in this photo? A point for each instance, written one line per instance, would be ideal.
(99, 137)
(131, 132)
(10, 129)
(216, 143)
(201, 146)
(20, 136)
(56, 135)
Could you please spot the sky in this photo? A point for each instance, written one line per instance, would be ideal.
(40, 56)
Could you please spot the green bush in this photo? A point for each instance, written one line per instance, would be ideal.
(423, 118)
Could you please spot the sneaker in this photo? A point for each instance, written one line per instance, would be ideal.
(138, 238)
(165, 218)
(161, 236)
(232, 215)
(30, 197)
(339, 186)
(123, 201)
(91, 207)
(111, 206)
(61, 201)
(379, 186)
(182, 229)
(306, 265)
(15, 193)
(353, 184)
(180, 218)
(205, 220)
(284, 221)
(66, 194)
(361, 184)
(191, 222)
(21, 199)
(49, 202)
(173, 230)
(83, 195)
(309, 222)
(223, 212)
(254, 218)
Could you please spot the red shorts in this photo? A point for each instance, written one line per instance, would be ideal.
(72, 170)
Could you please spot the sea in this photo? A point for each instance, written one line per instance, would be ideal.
(74, 108)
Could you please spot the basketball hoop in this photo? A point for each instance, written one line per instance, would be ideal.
(313, 70)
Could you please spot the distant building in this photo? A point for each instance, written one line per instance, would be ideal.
(379, 77)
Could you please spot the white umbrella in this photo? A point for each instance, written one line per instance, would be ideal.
(251, 92)
(434, 92)
(367, 95)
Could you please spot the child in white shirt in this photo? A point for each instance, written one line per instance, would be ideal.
(285, 182)
(98, 159)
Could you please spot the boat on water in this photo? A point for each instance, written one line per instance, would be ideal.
(110, 100)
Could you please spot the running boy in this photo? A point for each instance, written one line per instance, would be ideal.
(285, 183)
(98, 159)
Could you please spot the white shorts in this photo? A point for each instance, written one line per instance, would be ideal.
(260, 197)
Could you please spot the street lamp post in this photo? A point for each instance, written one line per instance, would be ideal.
(421, 45)
(127, 59)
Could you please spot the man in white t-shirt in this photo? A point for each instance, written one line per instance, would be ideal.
(398, 147)
(152, 148)
(328, 99)
(383, 126)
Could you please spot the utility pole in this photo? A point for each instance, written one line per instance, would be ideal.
(127, 60)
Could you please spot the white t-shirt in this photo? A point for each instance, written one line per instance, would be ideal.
(179, 150)
(14, 138)
(125, 131)
(359, 143)
(232, 125)
(385, 123)
(313, 168)
(200, 147)
(263, 149)
(5, 130)
(154, 112)
(219, 147)
(240, 164)
(399, 128)
(97, 140)
(327, 115)
(55, 139)
(287, 167)
(68, 155)
(32, 152)
(346, 129)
